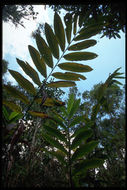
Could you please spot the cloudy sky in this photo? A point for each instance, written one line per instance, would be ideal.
(111, 53)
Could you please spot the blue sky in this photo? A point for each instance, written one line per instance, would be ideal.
(111, 53)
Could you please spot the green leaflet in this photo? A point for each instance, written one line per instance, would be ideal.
(81, 19)
(12, 106)
(82, 45)
(87, 164)
(117, 82)
(38, 62)
(59, 31)
(68, 76)
(52, 41)
(84, 135)
(39, 114)
(24, 83)
(59, 120)
(74, 108)
(76, 67)
(79, 130)
(68, 23)
(75, 24)
(44, 50)
(119, 77)
(86, 33)
(16, 93)
(29, 71)
(54, 132)
(5, 113)
(53, 142)
(84, 149)
(61, 84)
(14, 116)
(95, 110)
(70, 103)
(59, 155)
(77, 120)
(79, 56)
(50, 102)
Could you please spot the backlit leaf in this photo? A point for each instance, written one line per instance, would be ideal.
(84, 149)
(16, 93)
(61, 84)
(79, 56)
(76, 67)
(29, 71)
(68, 76)
(68, 23)
(44, 50)
(86, 33)
(59, 31)
(82, 45)
(75, 24)
(38, 61)
(52, 41)
(24, 83)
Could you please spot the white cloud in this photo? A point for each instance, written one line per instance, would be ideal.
(16, 40)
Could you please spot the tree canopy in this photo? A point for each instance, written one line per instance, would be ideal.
(110, 13)
(16, 13)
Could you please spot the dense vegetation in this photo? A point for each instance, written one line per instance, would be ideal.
(76, 143)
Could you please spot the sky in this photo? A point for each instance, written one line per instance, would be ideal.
(111, 52)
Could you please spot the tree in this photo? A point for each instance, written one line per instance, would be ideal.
(4, 70)
(110, 130)
(110, 15)
(15, 13)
